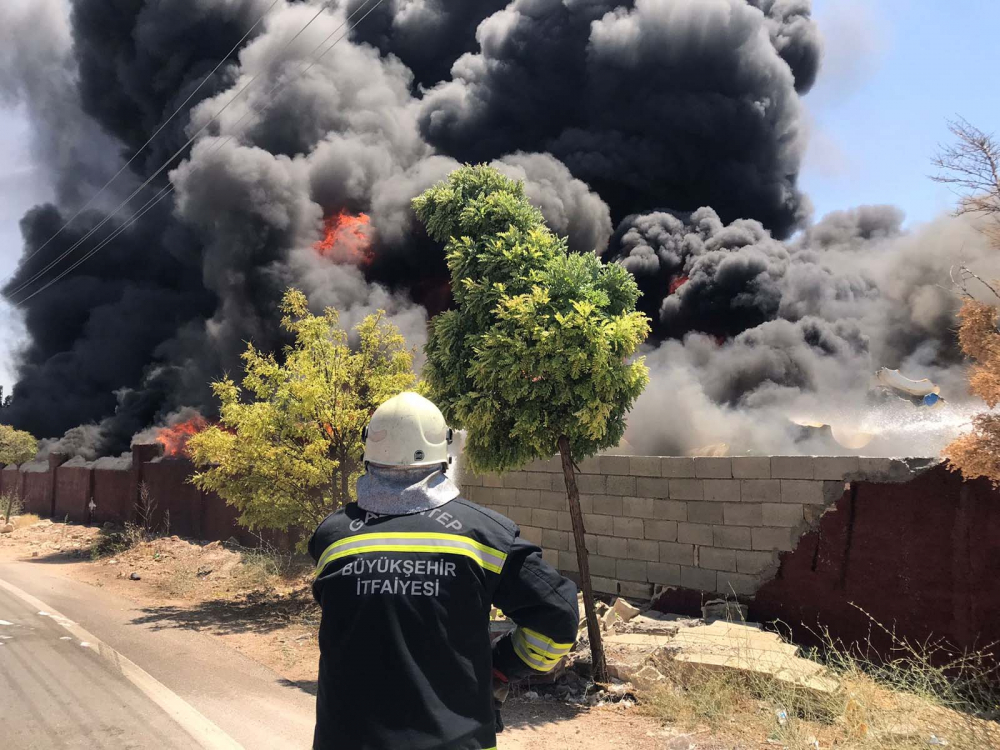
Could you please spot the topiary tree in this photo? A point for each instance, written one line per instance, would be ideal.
(535, 358)
(16, 446)
(288, 449)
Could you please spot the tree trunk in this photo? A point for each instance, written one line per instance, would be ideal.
(583, 561)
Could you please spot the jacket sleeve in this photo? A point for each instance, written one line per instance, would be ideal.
(542, 603)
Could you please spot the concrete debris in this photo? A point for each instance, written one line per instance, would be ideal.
(658, 623)
(724, 609)
(608, 620)
(624, 610)
(647, 677)
(7, 528)
(745, 648)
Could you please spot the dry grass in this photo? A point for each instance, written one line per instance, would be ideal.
(917, 698)
(24, 520)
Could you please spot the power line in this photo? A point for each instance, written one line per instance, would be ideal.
(142, 148)
(167, 189)
(167, 163)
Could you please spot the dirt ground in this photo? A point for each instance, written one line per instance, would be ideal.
(264, 610)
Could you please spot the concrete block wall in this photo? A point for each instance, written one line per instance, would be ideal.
(712, 524)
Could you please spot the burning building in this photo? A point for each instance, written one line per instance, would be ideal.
(680, 162)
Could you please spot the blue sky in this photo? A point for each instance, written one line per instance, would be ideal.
(894, 71)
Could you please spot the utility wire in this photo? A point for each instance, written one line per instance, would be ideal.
(142, 148)
(167, 163)
(167, 189)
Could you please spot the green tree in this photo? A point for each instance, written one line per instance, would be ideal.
(16, 446)
(535, 359)
(287, 450)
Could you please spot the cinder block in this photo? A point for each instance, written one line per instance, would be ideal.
(782, 514)
(833, 491)
(606, 505)
(537, 481)
(652, 487)
(630, 528)
(801, 491)
(640, 549)
(621, 485)
(792, 467)
(492, 480)
(527, 498)
(664, 531)
(609, 546)
(635, 590)
(673, 552)
(812, 513)
(753, 563)
(515, 480)
(638, 507)
(544, 519)
(694, 533)
(503, 496)
(590, 465)
(752, 467)
(737, 583)
(503, 510)
(594, 524)
(546, 465)
(687, 489)
(888, 470)
(644, 466)
(770, 538)
(586, 503)
(470, 479)
(722, 490)
(565, 522)
(679, 467)
(558, 483)
(532, 534)
(519, 515)
(551, 556)
(632, 570)
(568, 562)
(591, 541)
(698, 579)
(760, 490)
(733, 537)
(713, 467)
(705, 512)
(665, 573)
(602, 566)
(716, 558)
(604, 585)
(616, 465)
(552, 539)
(743, 514)
(592, 484)
(836, 467)
(552, 500)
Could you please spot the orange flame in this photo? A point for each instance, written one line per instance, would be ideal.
(174, 439)
(676, 283)
(346, 239)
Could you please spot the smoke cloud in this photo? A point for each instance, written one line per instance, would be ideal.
(662, 134)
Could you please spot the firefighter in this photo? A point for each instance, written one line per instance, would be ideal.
(406, 577)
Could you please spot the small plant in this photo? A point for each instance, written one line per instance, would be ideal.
(112, 542)
(12, 506)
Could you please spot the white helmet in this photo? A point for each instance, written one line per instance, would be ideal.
(407, 430)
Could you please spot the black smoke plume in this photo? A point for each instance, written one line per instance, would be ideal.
(635, 114)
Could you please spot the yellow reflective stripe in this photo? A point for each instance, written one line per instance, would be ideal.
(544, 644)
(489, 558)
(532, 660)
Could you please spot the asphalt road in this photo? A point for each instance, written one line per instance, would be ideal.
(80, 668)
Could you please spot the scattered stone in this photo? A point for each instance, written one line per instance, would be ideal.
(647, 677)
(659, 623)
(7, 528)
(112, 562)
(531, 695)
(724, 609)
(35, 553)
(624, 610)
(608, 620)
(203, 571)
(133, 576)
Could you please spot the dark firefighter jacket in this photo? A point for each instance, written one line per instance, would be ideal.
(405, 655)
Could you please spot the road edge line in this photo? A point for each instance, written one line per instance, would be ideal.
(192, 721)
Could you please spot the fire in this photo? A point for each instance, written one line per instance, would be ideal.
(346, 239)
(174, 439)
(676, 283)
